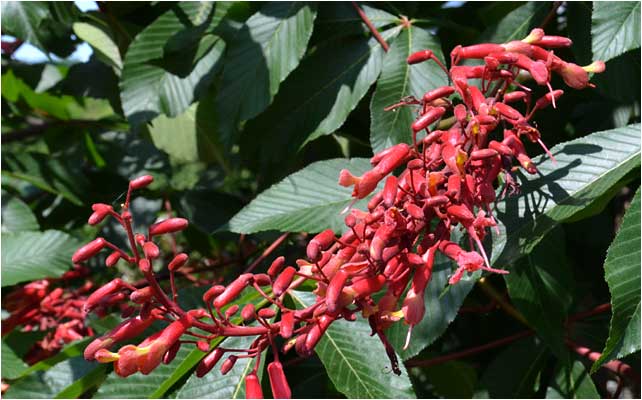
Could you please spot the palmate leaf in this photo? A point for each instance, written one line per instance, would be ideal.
(615, 28)
(622, 273)
(309, 200)
(355, 361)
(314, 101)
(398, 80)
(149, 85)
(586, 168)
(262, 54)
(34, 255)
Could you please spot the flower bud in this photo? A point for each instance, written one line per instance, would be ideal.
(209, 362)
(232, 290)
(144, 266)
(443, 91)
(141, 182)
(231, 311)
(276, 267)
(432, 115)
(283, 281)
(266, 313)
(247, 313)
(89, 250)
(228, 364)
(100, 212)
(169, 356)
(112, 259)
(151, 250)
(287, 324)
(141, 296)
(100, 294)
(212, 293)
(262, 279)
(168, 226)
(178, 261)
(203, 346)
(320, 242)
(253, 387)
(278, 382)
(337, 283)
(419, 56)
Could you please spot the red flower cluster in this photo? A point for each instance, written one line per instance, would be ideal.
(449, 181)
(43, 305)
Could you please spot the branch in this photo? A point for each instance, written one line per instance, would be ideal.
(370, 26)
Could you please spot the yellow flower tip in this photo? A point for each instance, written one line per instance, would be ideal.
(105, 356)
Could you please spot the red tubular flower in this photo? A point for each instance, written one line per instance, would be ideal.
(89, 250)
(170, 225)
(419, 56)
(99, 295)
(232, 290)
(278, 382)
(318, 243)
(178, 262)
(253, 386)
(141, 182)
(207, 363)
(100, 212)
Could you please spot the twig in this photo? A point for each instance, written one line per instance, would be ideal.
(550, 14)
(370, 26)
(495, 295)
(615, 366)
(267, 252)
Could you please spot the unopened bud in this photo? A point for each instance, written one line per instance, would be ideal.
(178, 261)
(283, 281)
(253, 387)
(247, 313)
(232, 290)
(277, 266)
(228, 364)
(208, 362)
(89, 250)
(168, 226)
(266, 313)
(141, 182)
(278, 382)
(212, 293)
(231, 311)
(151, 250)
(112, 259)
(419, 56)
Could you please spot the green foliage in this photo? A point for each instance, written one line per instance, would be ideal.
(246, 113)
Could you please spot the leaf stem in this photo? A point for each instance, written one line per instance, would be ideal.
(370, 26)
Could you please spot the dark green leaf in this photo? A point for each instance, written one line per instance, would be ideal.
(17, 216)
(615, 28)
(49, 383)
(517, 24)
(513, 373)
(265, 51)
(579, 30)
(586, 168)
(309, 200)
(572, 383)
(622, 273)
(355, 361)
(34, 255)
(541, 287)
(398, 80)
(453, 379)
(315, 100)
(71, 350)
(148, 86)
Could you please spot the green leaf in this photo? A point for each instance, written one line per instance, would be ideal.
(93, 378)
(453, 379)
(139, 385)
(512, 374)
(265, 51)
(23, 19)
(50, 383)
(315, 100)
(615, 28)
(541, 287)
(214, 385)
(71, 350)
(101, 41)
(309, 200)
(442, 303)
(17, 216)
(586, 168)
(398, 80)
(355, 361)
(622, 273)
(34, 255)
(184, 137)
(572, 383)
(148, 86)
(517, 24)
(12, 365)
(579, 30)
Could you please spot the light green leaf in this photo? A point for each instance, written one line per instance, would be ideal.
(23, 19)
(214, 385)
(264, 52)
(355, 361)
(184, 137)
(398, 80)
(309, 200)
(315, 100)
(615, 28)
(101, 42)
(517, 24)
(148, 86)
(34, 255)
(49, 383)
(622, 273)
(12, 365)
(17, 216)
(572, 383)
(586, 168)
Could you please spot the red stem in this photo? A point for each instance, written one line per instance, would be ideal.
(370, 26)
(267, 252)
